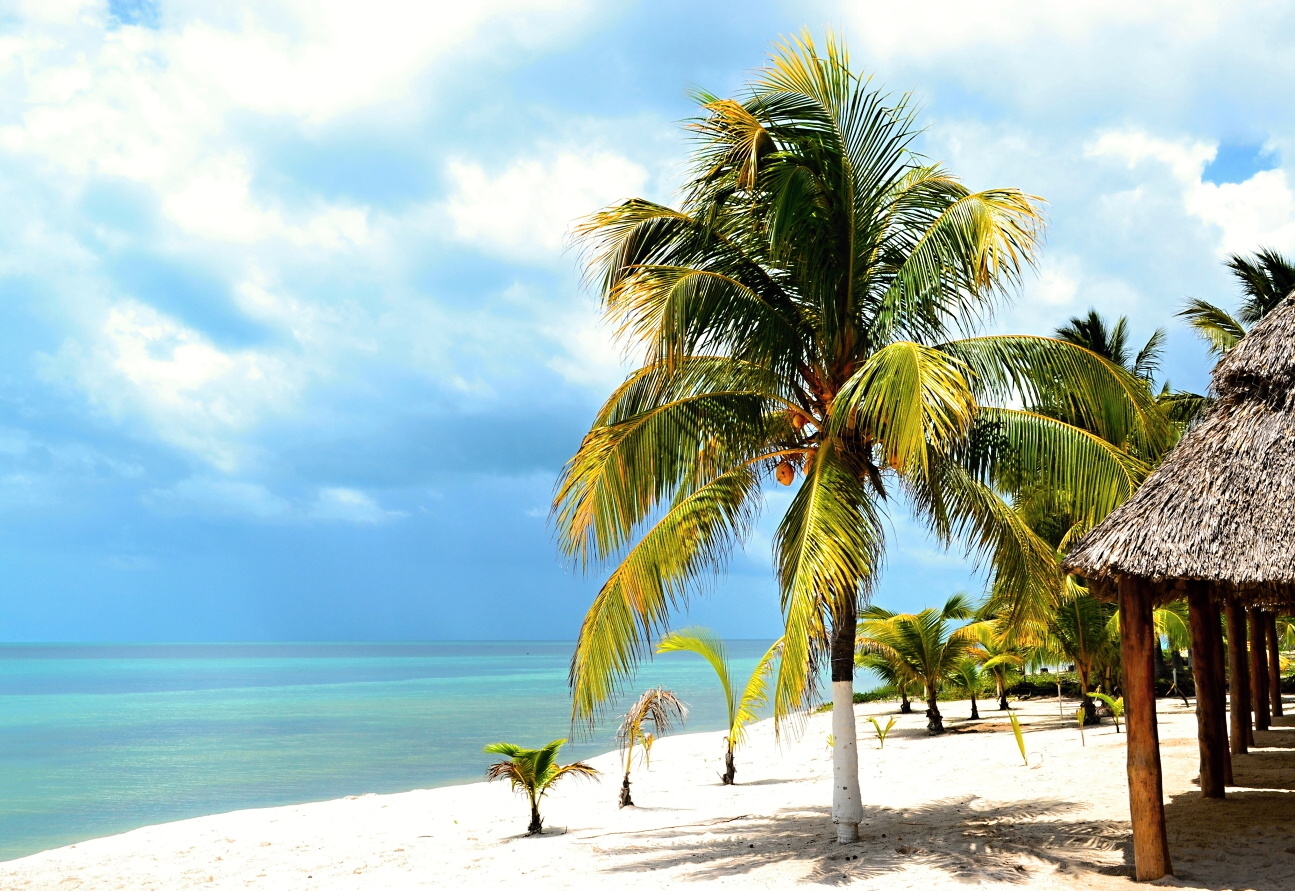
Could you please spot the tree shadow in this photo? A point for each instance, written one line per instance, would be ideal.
(970, 839)
(1246, 839)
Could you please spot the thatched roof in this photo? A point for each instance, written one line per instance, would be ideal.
(1221, 506)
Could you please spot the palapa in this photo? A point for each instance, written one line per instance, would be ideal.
(1213, 522)
(1221, 506)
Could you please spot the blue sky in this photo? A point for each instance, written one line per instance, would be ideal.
(294, 344)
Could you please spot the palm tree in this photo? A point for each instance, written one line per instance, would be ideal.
(741, 709)
(968, 675)
(1080, 632)
(1112, 342)
(658, 707)
(533, 771)
(893, 674)
(1003, 657)
(927, 644)
(1266, 278)
(795, 318)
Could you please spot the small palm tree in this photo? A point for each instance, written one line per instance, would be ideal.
(926, 643)
(533, 771)
(893, 673)
(741, 709)
(1080, 631)
(968, 675)
(1003, 657)
(658, 707)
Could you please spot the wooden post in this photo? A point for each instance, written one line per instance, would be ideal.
(1238, 677)
(1146, 787)
(1220, 687)
(1259, 669)
(1274, 666)
(1213, 746)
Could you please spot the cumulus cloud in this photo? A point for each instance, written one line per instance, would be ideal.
(527, 209)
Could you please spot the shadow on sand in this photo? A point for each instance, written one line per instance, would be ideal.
(969, 839)
(1257, 819)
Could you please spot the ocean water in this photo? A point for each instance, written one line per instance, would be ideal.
(96, 740)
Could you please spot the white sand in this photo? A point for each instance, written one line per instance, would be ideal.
(940, 812)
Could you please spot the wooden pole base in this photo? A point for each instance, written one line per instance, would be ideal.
(1146, 787)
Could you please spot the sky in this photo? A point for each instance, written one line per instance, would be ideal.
(293, 340)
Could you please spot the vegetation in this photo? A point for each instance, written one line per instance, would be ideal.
(967, 676)
(1265, 279)
(926, 646)
(741, 709)
(657, 707)
(1020, 738)
(534, 772)
(798, 315)
(1115, 705)
(882, 732)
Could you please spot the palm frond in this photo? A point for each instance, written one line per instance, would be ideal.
(1220, 331)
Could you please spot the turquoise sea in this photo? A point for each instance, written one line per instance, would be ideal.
(96, 740)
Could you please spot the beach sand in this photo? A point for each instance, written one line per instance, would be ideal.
(941, 812)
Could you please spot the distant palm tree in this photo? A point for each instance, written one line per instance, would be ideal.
(1266, 278)
(798, 318)
(1080, 632)
(1003, 657)
(893, 673)
(928, 644)
(1112, 342)
(533, 771)
(968, 675)
(742, 709)
(658, 707)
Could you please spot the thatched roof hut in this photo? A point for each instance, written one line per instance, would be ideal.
(1215, 522)
(1221, 507)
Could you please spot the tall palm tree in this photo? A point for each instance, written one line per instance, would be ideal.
(742, 709)
(659, 707)
(1265, 279)
(928, 644)
(795, 317)
(533, 771)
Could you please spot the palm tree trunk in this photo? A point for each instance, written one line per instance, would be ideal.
(905, 707)
(1002, 696)
(730, 770)
(626, 801)
(934, 720)
(847, 800)
(536, 823)
(975, 713)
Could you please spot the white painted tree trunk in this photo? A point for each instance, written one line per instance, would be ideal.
(847, 801)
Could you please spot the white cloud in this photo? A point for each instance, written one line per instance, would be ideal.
(142, 364)
(215, 497)
(527, 210)
(349, 506)
(1258, 211)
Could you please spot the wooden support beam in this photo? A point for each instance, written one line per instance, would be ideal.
(1274, 666)
(1221, 686)
(1259, 699)
(1238, 677)
(1209, 714)
(1146, 786)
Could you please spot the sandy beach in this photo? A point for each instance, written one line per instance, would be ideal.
(955, 810)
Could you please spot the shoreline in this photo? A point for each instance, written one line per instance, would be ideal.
(960, 806)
